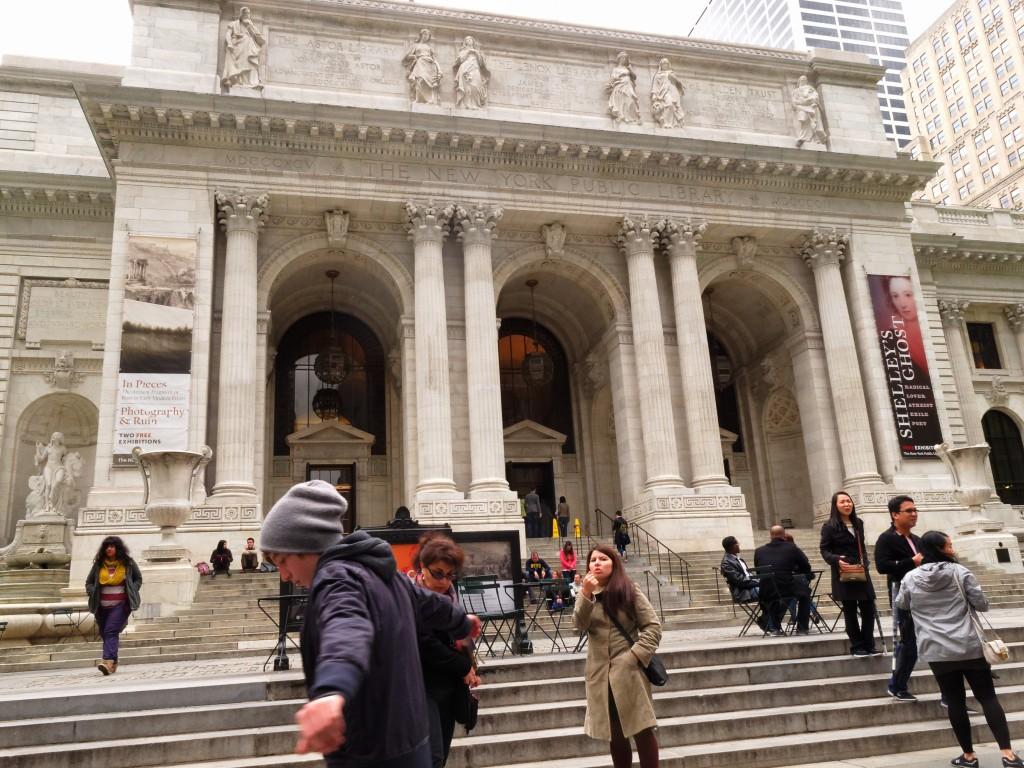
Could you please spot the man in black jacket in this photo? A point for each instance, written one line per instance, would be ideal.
(897, 553)
(787, 574)
(742, 584)
(360, 656)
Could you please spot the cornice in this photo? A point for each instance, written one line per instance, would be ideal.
(225, 122)
(55, 201)
(954, 254)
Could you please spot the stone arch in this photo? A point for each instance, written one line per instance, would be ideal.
(76, 417)
(375, 259)
(602, 285)
(807, 312)
(1002, 429)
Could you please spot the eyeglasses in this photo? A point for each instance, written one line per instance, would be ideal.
(911, 511)
(442, 575)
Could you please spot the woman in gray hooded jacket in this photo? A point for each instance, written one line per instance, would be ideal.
(947, 640)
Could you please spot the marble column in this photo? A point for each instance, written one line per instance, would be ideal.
(952, 313)
(475, 228)
(428, 227)
(1015, 317)
(680, 241)
(661, 459)
(823, 251)
(241, 215)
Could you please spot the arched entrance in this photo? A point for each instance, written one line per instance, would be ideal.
(77, 419)
(1006, 457)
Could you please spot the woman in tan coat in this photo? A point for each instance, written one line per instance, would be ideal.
(619, 703)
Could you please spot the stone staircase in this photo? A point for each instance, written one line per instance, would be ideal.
(223, 621)
(758, 703)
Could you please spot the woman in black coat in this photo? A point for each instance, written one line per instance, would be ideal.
(843, 548)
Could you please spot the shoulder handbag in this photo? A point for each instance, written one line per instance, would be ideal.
(859, 574)
(995, 651)
(655, 669)
(465, 706)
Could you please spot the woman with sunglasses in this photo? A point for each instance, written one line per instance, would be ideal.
(448, 666)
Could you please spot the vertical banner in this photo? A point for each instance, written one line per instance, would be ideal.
(906, 366)
(154, 382)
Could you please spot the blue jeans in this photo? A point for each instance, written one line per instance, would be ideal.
(905, 652)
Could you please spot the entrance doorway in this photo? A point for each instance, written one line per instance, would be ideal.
(524, 476)
(343, 478)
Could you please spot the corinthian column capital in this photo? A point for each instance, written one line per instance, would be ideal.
(239, 210)
(952, 311)
(637, 235)
(824, 246)
(477, 222)
(427, 221)
(1015, 316)
(682, 237)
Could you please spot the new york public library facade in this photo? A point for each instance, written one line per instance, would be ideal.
(641, 272)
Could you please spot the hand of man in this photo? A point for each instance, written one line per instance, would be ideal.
(589, 585)
(476, 626)
(918, 558)
(321, 725)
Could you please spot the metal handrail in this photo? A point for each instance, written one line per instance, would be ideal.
(641, 540)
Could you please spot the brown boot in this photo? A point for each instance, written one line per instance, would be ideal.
(113, 667)
(106, 667)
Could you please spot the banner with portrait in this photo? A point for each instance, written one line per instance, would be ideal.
(155, 376)
(908, 381)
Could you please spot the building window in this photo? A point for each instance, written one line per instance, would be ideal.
(983, 345)
(1007, 456)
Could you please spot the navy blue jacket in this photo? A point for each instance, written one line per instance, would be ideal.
(359, 639)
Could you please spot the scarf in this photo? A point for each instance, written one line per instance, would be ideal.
(112, 573)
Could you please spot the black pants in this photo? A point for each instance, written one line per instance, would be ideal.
(950, 676)
(862, 633)
(442, 726)
(906, 651)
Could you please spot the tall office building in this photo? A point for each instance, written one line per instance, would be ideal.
(873, 27)
(964, 90)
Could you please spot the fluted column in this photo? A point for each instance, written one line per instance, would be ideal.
(475, 227)
(823, 251)
(241, 215)
(681, 240)
(428, 227)
(1015, 316)
(636, 238)
(952, 313)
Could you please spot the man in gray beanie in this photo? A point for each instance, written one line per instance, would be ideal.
(360, 655)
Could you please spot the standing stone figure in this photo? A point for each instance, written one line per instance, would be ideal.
(623, 104)
(242, 46)
(807, 107)
(471, 76)
(53, 488)
(422, 71)
(666, 96)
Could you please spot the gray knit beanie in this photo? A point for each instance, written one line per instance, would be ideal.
(306, 519)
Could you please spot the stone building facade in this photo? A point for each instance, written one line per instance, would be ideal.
(627, 269)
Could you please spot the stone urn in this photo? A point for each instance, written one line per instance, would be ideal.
(969, 467)
(168, 478)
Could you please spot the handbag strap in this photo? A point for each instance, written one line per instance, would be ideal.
(971, 613)
(857, 535)
(619, 626)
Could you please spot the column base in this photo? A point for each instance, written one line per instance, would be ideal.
(168, 588)
(477, 514)
(711, 481)
(491, 489)
(694, 520)
(232, 488)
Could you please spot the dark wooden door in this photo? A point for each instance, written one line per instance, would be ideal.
(343, 478)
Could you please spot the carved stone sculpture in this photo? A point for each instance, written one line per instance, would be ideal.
(471, 76)
(667, 97)
(422, 71)
(243, 44)
(807, 108)
(337, 228)
(623, 104)
(54, 489)
(64, 375)
(554, 239)
(745, 249)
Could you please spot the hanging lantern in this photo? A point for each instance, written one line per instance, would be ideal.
(333, 364)
(537, 367)
(326, 404)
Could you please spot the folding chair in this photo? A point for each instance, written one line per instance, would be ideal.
(73, 621)
(482, 596)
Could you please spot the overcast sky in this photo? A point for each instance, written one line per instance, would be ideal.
(100, 30)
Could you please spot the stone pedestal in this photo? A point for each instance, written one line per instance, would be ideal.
(984, 549)
(167, 588)
(39, 542)
(694, 520)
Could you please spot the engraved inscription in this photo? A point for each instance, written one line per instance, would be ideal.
(546, 84)
(66, 314)
(335, 62)
(717, 104)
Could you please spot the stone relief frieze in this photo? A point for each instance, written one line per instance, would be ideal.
(623, 104)
(422, 72)
(472, 77)
(243, 44)
(667, 97)
(807, 109)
